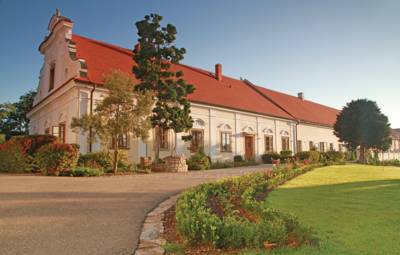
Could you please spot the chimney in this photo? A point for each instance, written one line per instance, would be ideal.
(218, 72)
(300, 95)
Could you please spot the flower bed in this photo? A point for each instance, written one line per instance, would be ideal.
(232, 214)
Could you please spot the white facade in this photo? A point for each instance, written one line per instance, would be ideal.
(71, 98)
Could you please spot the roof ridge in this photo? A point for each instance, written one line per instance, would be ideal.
(296, 97)
(251, 85)
(107, 45)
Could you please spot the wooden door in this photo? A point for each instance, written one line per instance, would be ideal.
(249, 147)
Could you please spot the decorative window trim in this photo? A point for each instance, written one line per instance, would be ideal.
(228, 146)
(271, 147)
(194, 148)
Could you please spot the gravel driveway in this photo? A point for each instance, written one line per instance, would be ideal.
(103, 215)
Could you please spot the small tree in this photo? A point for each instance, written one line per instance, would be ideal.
(121, 112)
(153, 57)
(362, 125)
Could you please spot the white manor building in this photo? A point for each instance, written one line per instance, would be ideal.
(231, 116)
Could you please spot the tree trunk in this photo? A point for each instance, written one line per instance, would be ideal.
(362, 154)
(115, 161)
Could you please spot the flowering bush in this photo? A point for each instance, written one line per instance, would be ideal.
(55, 159)
(16, 155)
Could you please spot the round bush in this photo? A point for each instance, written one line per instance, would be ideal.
(198, 161)
(55, 159)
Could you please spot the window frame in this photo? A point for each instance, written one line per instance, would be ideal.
(62, 132)
(270, 142)
(299, 146)
(286, 143)
(197, 146)
(123, 144)
(52, 76)
(322, 146)
(162, 138)
(223, 147)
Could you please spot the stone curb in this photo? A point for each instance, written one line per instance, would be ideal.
(151, 241)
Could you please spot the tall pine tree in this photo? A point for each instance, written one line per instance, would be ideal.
(153, 55)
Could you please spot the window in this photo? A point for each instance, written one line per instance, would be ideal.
(322, 147)
(47, 131)
(61, 130)
(197, 140)
(122, 142)
(331, 147)
(55, 130)
(226, 142)
(162, 137)
(51, 78)
(299, 147)
(269, 143)
(311, 146)
(285, 143)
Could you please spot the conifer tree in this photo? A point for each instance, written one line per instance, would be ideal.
(154, 56)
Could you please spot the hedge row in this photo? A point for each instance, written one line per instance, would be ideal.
(232, 213)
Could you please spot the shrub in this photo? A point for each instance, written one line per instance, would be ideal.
(268, 157)
(100, 160)
(86, 171)
(55, 159)
(2, 138)
(13, 160)
(334, 156)
(303, 155)
(314, 156)
(232, 213)
(222, 164)
(284, 155)
(250, 162)
(238, 158)
(16, 155)
(198, 161)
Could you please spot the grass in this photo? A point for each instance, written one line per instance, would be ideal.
(354, 209)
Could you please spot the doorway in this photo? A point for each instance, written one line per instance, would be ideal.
(249, 147)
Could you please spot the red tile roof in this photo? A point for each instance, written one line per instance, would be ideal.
(232, 93)
(303, 110)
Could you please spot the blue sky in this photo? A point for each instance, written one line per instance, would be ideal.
(333, 51)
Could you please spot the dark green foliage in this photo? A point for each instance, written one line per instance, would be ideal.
(334, 156)
(268, 157)
(303, 155)
(285, 155)
(232, 213)
(362, 124)
(238, 158)
(55, 159)
(101, 160)
(153, 57)
(198, 161)
(13, 120)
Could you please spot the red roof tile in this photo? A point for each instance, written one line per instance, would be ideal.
(302, 110)
(231, 93)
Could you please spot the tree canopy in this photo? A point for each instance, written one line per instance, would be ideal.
(121, 112)
(153, 55)
(362, 124)
(13, 120)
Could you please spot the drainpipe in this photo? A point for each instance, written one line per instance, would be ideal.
(91, 112)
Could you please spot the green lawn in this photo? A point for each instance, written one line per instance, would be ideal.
(354, 209)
